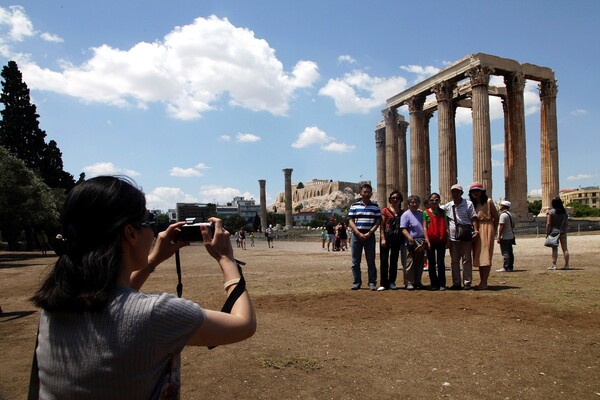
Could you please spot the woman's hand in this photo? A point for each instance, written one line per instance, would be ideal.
(165, 245)
(218, 244)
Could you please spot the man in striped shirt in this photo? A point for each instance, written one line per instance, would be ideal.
(364, 219)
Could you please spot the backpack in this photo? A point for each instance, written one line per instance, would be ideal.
(393, 231)
(436, 230)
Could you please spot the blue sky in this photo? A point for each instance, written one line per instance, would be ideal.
(198, 100)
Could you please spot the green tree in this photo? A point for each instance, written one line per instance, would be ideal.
(21, 135)
(26, 202)
(534, 207)
(583, 210)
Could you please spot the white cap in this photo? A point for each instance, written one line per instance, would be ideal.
(505, 203)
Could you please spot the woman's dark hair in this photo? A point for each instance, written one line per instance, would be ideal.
(482, 199)
(393, 193)
(87, 269)
(557, 204)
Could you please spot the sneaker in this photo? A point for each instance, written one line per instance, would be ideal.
(442, 288)
(393, 286)
(425, 268)
(372, 286)
(467, 286)
(455, 287)
(356, 286)
(502, 270)
(381, 288)
(552, 267)
(409, 287)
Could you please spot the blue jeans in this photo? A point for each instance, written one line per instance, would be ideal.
(506, 248)
(357, 247)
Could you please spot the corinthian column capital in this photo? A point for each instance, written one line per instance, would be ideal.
(390, 115)
(415, 104)
(515, 82)
(548, 88)
(479, 75)
(443, 91)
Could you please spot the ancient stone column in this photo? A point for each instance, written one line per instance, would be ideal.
(380, 157)
(417, 146)
(549, 142)
(426, 118)
(392, 170)
(402, 159)
(447, 168)
(507, 149)
(482, 146)
(289, 220)
(517, 158)
(263, 204)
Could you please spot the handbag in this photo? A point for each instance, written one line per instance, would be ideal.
(462, 232)
(552, 239)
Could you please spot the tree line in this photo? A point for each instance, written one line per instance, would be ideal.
(33, 183)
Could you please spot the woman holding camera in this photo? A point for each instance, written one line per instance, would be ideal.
(99, 337)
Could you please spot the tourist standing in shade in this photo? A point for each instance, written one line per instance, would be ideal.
(364, 219)
(558, 220)
(435, 226)
(411, 223)
(506, 237)
(461, 217)
(483, 244)
(391, 242)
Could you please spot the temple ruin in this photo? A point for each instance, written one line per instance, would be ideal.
(466, 84)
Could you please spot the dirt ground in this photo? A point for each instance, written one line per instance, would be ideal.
(534, 335)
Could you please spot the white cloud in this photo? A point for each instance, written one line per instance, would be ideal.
(107, 168)
(338, 147)
(16, 21)
(357, 92)
(498, 147)
(184, 172)
(421, 72)
(346, 59)
(311, 135)
(579, 177)
(221, 195)
(247, 137)
(164, 198)
(191, 70)
(579, 111)
(314, 136)
(225, 138)
(497, 164)
(535, 193)
(51, 38)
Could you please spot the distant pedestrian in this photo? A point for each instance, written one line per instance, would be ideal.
(506, 237)
(323, 238)
(251, 239)
(330, 234)
(242, 236)
(270, 236)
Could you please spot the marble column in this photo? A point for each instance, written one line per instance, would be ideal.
(289, 220)
(517, 158)
(402, 160)
(508, 152)
(549, 142)
(417, 146)
(447, 167)
(426, 118)
(263, 204)
(482, 146)
(380, 157)
(392, 169)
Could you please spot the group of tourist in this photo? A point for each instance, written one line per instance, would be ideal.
(334, 236)
(468, 228)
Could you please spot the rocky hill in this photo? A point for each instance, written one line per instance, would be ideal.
(337, 199)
